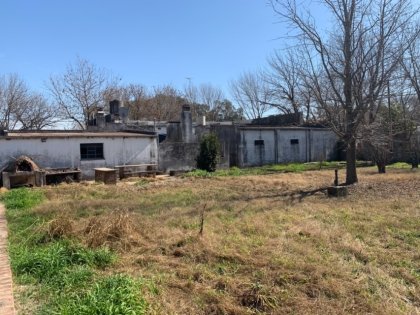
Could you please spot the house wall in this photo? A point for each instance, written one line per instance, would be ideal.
(323, 145)
(65, 152)
(253, 155)
(177, 156)
(283, 145)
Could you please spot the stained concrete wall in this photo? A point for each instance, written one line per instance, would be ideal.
(65, 152)
(252, 154)
(177, 156)
(285, 145)
(186, 125)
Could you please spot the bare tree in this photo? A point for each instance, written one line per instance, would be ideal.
(377, 141)
(406, 124)
(411, 66)
(205, 100)
(36, 113)
(190, 93)
(79, 91)
(350, 65)
(252, 94)
(133, 96)
(284, 78)
(211, 96)
(22, 109)
(14, 95)
(165, 103)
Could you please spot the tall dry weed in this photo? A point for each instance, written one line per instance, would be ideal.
(116, 230)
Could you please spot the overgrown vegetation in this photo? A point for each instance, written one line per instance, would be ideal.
(209, 154)
(66, 276)
(267, 247)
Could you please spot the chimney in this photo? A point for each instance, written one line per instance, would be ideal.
(114, 107)
(186, 124)
(100, 120)
(203, 120)
(123, 113)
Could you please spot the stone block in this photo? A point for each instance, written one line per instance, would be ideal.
(337, 191)
(106, 175)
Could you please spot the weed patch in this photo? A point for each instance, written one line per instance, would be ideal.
(45, 263)
(261, 252)
(112, 295)
(60, 273)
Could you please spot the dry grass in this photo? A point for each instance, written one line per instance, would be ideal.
(115, 230)
(59, 227)
(266, 247)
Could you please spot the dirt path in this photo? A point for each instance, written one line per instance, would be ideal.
(6, 288)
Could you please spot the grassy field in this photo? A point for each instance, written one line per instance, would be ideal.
(267, 247)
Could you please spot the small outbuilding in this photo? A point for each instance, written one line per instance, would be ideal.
(79, 149)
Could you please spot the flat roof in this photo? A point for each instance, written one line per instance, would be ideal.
(282, 127)
(74, 134)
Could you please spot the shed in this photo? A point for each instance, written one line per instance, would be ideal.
(79, 149)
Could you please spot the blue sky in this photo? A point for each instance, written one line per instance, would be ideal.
(152, 42)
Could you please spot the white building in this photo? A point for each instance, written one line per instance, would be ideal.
(76, 149)
(260, 145)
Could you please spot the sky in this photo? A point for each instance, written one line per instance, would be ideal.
(150, 42)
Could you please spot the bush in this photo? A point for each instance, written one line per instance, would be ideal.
(209, 153)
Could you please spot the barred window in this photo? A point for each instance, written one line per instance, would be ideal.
(91, 151)
(294, 141)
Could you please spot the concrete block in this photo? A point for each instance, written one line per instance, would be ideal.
(337, 191)
(106, 175)
(40, 178)
(6, 180)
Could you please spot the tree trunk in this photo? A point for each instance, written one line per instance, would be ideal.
(381, 167)
(351, 172)
(415, 161)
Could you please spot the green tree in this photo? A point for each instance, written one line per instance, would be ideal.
(209, 153)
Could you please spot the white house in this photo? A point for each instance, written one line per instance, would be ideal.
(77, 149)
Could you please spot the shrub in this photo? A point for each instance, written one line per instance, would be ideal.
(209, 153)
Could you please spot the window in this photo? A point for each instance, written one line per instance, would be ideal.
(91, 151)
(162, 138)
(294, 141)
(259, 142)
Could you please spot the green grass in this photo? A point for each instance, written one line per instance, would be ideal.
(399, 165)
(272, 169)
(65, 274)
(112, 295)
(46, 263)
(142, 182)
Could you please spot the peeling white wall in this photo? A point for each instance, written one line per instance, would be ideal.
(65, 152)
